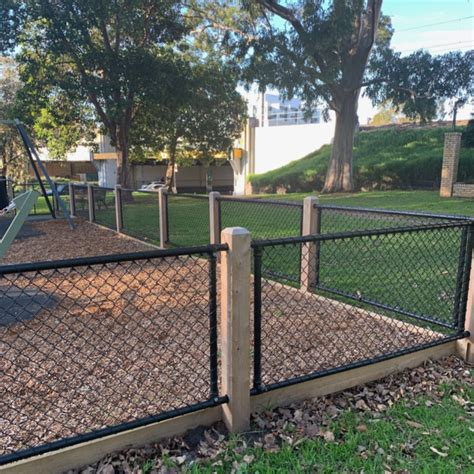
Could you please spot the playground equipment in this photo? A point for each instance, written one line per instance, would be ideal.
(23, 203)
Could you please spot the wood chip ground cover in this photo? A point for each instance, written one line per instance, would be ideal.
(120, 342)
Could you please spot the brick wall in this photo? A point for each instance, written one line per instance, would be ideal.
(463, 190)
(449, 171)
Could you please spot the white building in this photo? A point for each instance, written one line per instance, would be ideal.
(278, 133)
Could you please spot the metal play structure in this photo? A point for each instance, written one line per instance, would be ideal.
(23, 203)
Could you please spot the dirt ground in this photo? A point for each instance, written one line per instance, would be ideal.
(57, 241)
(91, 347)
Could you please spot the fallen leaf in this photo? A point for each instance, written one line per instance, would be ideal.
(414, 424)
(361, 405)
(329, 436)
(248, 458)
(439, 453)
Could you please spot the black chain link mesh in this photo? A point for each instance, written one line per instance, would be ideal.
(82, 201)
(414, 272)
(263, 218)
(97, 345)
(141, 215)
(309, 333)
(188, 220)
(267, 220)
(347, 219)
(104, 206)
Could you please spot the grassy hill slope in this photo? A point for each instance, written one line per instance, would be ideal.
(396, 158)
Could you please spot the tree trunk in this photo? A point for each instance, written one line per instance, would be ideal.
(124, 172)
(170, 182)
(339, 174)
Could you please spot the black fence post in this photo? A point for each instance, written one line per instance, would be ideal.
(213, 325)
(257, 318)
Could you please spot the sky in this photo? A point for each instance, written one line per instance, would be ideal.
(438, 26)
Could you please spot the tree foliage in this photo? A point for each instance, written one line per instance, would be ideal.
(416, 84)
(109, 56)
(317, 50)
(203, 120)
(13, 159)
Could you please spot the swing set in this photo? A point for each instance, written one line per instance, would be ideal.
(22, 204)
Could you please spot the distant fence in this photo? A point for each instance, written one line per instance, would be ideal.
(68, 169)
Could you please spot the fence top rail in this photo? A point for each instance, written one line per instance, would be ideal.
(261, 201)
(189, 195)
(360, 233)
(394, 212)
(116, 258)
(144, 191)
(103, 188)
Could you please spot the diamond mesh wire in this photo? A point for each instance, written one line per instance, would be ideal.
(82, 202)
(188, 220)
(93, 346)
(415, 272)
(104, 206)
(263, 218)
(415, 275)
(346, 219)
(267, 220)
(141, 215)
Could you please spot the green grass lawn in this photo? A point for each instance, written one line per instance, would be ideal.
(418, 201)
(420, 437)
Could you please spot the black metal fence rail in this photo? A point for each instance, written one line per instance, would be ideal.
(99, 345)
(376, 294)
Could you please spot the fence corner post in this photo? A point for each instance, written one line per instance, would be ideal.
(466, 346)
(90, 202)
(235, 328)
(163, 208)
(214, 224)
(118, 208)
(309, 277)
(72, 200)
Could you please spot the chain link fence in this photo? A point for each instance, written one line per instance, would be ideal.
(347, 219)
(265, 219)
(188, 219)
(81, 200)
(95, 346)
(141, 215)
(365, 296)
(104, 206)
